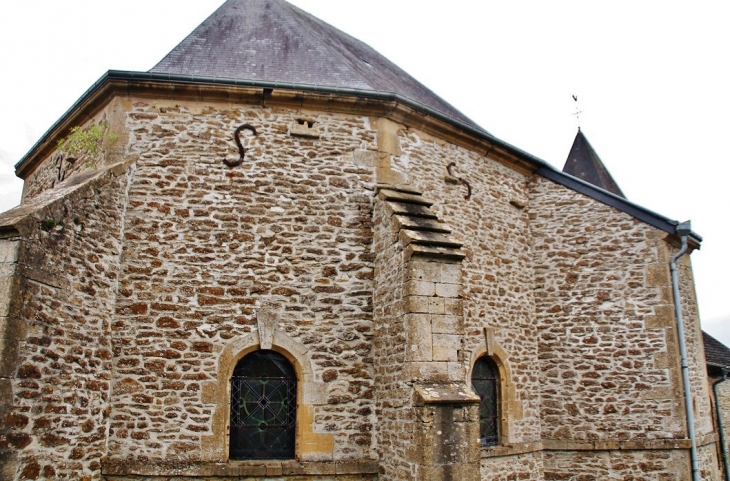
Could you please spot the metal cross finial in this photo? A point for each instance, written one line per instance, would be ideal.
(577, 111)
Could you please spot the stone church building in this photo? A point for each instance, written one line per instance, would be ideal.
(276, 255)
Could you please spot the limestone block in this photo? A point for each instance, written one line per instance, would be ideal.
(419, 342)
(424, 270)
(312, 446)
(419, 288)
(446, 290)
(450, 273)
(267, 319)
(314, 393)
(446, 324)
(454, 306)
(420, 304)
(364, 158)
(434, 371)
(388, 136)
(304, 128)
(664, 317)
(436, 305)
(6, 285)
(446, 347)
(451, 393)
(9, 251)
(657, 274)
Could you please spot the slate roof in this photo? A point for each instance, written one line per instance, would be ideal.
(717, 354)
(584, 163)
(272, 40)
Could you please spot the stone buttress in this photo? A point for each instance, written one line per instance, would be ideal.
(429, 426)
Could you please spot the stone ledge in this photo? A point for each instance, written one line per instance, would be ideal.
(392, 195)
(446, 393)
(511, 450)
(616, 445)
(433, 239)
(409, 209)
(164, 467)
(604, 445)
(430, 251)
(419, 223)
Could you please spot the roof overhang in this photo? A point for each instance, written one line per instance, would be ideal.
(117, 83)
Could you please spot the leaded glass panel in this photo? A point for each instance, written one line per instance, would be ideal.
(263, 407)
(485, 380)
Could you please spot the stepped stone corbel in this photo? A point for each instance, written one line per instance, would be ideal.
(420, 230)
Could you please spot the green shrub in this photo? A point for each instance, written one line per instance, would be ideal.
(88, 143)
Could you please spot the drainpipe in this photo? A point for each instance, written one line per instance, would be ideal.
(723, 446)
(683, 230)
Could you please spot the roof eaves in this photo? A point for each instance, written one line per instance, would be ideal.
(609, 198)
(192, 79)
(542, 168)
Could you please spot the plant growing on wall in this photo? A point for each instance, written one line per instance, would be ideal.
(88, 143)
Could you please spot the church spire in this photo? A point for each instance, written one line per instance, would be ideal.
(584, 163)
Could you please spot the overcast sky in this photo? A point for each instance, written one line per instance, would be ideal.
(651, 78)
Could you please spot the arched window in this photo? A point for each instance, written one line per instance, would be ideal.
(485, 381)
(263, 407)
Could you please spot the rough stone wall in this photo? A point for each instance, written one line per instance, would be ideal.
(608, 348)
(394, 410)
(699, 384)
(67, 272)
(207, 246)
(659, 465)
(709, 462)
(723, 391)
(526, 466)
(497, 272)
(603, 296)
(629, 287)
(618, 465)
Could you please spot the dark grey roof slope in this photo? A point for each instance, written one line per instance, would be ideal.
(584, 163)
(272, 40)
(717, 354)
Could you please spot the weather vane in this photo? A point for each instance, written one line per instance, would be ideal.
(577, 111)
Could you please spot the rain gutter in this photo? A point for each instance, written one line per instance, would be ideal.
(683, 231)
(721, 431)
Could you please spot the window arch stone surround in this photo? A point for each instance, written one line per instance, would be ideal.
(310, 445)
(510, 407)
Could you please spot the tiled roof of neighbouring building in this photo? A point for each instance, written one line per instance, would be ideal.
(271, 40)
(717, 354)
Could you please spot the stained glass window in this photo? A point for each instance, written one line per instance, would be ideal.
(263, 407)
(485, 381)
